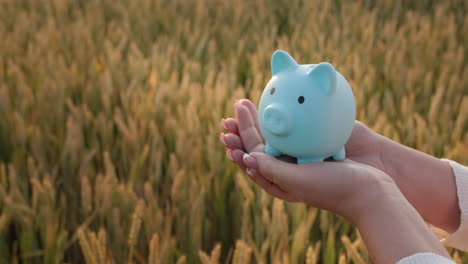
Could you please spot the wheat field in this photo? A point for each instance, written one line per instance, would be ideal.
(110, 111)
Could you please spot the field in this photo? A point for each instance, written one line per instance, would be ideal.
(110, 117)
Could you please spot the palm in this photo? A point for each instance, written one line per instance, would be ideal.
(246, 137)
(363, 147)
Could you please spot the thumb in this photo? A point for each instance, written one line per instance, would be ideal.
(285, 175)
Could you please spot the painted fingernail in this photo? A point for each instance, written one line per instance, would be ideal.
(229, 154)
(250, 161)
(249, 171)
(223, 123)
(222, 137)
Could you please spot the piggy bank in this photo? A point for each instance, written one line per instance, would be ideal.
(306, 111)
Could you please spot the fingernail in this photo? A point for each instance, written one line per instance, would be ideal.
(249, 171)
(222, 137)
(237, 104)
(250, 161)
(229, 154)
(223, 123)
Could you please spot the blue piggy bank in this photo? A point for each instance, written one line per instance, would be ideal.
(306, 111)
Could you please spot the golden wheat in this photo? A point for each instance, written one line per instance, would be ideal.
(110, 114)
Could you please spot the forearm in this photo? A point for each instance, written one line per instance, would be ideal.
(427, 182)
(392, 229)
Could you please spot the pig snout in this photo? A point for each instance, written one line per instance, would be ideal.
(277, 120)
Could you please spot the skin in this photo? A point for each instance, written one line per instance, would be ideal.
(386, 189)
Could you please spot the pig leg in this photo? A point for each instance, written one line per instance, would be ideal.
(340, 155)
(272, 151)
(307, 160)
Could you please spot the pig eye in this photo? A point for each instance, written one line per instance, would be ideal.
(272, 91)
(301, 99)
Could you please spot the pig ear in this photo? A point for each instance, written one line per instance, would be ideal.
(325, 75)
(282, 61)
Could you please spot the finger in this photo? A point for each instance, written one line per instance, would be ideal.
(230, 125)
(271, 168)
(254, 113)
(237, 155)
(229, 155)
(269, 187)
(248, 133)
(231, 141)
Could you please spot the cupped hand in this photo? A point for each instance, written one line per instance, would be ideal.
(244, 135)
(335, 186)
(426, 182)
(346, 187)
(361, 188)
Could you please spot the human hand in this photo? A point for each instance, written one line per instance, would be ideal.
(246, 126)
(363, 145)
(361, 193)
(335, 186)
(426, 182)
(347, 188)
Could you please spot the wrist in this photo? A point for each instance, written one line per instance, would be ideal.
(426, 182)
(367, 196)
(392, 228)
(381, 196)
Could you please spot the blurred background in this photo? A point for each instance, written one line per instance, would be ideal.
(110, 118)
